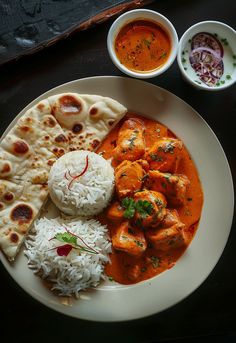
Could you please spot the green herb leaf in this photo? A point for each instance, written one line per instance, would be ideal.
(144, 208)
(66, 237)
(129, 205)
(163, 55)
(155, 157)
(147, 42)
(155, 261)
(138, 243)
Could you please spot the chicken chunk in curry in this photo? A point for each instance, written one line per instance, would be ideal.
(150, 208)
(129, 177)
(169, 235)
(115, 212)
(165, 154)
(129, 239)
(173, 186)
(130, 142)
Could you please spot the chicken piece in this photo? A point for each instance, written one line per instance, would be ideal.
(165, 154)
(129, 177)
(129, 239)
(115, 211)
(169, 235)
(130, 142)
(173, 186)
(150, 208)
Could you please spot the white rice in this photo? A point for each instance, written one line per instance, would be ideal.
(89, 194)
(76, 271)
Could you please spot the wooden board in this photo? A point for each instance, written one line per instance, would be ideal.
(27, 26)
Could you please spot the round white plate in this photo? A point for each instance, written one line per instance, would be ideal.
(114, 302)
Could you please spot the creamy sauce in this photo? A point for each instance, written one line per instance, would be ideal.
(154, 262)
(142, 45)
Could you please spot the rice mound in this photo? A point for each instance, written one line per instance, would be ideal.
(88, 194)
(79, 269)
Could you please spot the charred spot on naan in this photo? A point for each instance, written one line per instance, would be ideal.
(14, 238)
(41, 106)
(8, 197)
(95, 143)
(77, 128)
(93, 111)
(111, 122)
(61, 138)
(26, 129)
(68, 105)
(50, 162)
(6, 168)
(49, 121)
(22, 213)
(40, 178)
(58, 152)
(2, 206)
(20, 147)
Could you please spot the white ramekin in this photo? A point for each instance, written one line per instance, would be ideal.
(136, 15)
(213, 27)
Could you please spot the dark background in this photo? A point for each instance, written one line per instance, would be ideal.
(209, 314)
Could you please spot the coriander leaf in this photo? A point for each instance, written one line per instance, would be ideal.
(144, 208)
(155, 261)
(129, 205)
(66, 237)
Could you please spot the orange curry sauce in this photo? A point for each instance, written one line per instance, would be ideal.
(154, 262)
(142, 45)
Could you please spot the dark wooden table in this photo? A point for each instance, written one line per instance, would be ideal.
(210, 312)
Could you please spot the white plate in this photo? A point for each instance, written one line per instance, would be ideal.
(114, 302)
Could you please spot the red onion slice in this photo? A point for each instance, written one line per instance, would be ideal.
(207, 40)
(207, 64)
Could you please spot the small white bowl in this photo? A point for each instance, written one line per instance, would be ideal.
(221, 31)
(136, 15)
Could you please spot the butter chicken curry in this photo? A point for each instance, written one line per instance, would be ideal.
(157, 205)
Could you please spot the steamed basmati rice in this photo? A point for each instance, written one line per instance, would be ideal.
(90, 193)
(76, 271)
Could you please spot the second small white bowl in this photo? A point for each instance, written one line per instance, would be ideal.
(227, 36)
(140, 14)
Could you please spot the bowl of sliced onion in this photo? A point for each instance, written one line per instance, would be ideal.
(207, 55)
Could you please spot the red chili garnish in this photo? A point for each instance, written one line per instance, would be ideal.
(65, 176)
(76, 176)
(64, 250)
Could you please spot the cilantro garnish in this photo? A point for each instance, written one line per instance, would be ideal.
(66, 237)
(129, 205)
(155, 261)
(143, 207)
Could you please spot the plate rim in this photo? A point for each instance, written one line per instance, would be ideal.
(62, 310)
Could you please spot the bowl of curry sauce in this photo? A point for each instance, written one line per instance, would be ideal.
(142, 43)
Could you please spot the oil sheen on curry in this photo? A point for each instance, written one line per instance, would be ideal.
(142, 45)
(158, 200)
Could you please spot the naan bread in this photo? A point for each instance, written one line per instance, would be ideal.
(86, 119)
(26, 156)
(59, 124)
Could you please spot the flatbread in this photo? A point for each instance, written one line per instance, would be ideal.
(27, 153)
(86, 119)
(59, 124)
